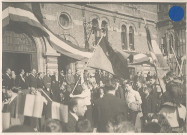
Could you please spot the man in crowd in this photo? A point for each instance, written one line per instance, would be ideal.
(133, 100)
(77, 108)
(20, 80)
(155, 95)
(108, 107)
(32, 81)
(47, 83)
(61, 78)
(7, 79)
(40, 80)
(70, 80)
(55, 86)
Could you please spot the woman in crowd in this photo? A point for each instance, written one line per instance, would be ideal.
(172, 108)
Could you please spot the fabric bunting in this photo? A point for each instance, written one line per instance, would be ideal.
(22, 13)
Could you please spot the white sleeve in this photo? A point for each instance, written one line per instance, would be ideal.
(138, 98)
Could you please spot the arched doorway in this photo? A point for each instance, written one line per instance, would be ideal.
(19, 50)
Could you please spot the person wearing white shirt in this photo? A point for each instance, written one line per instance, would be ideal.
(133, 100)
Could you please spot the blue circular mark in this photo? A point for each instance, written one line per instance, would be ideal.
(176, 13)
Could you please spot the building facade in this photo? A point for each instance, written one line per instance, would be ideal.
(172, 37)
(81, 24)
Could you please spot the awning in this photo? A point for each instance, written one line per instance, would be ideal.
(21, 12)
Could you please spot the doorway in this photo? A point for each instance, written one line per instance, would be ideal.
(16, 61)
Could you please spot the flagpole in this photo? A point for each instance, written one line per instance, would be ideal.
(46, 95)
(175, 57)
(87, 63)
(154, 63)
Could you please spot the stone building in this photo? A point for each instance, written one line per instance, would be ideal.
(172, 35)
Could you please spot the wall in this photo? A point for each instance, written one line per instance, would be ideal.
(114, 14)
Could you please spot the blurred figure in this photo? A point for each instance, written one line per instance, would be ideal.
(119, 124)
(55, 86)
(47, 84)
(98, 76)
(107, 107)
(152, 127)
(7, 79)
(101, 92)
(148, 76)
(133, 100)
(32, 81)
(155, 95)
(61, 78)
(84, 126)
(139, 88)
(70, 80)
(53, 125)
(77, 108)
(172, 109)
(20, 80)
(40, 84)
(13, 80)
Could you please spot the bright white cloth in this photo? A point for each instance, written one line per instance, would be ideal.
(133, 97)
(171, 114)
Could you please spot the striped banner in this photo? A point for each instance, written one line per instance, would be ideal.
(20, 12)
(58, 111)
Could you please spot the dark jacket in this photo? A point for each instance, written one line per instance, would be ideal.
(107, 108)
(47, 82)
(155, 100)
(72, 123)
(32, 81)
(7, 81)
(40, 83)
(55, 87)
(120, 93)
(21, 82)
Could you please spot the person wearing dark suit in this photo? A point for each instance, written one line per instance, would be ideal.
(55, 86)
(108, 107)
(47, 84)
(61, 78)
(40, 84)
(7, 82)
(20, 80)
(70, 80)
(77, 108)
(32, 81)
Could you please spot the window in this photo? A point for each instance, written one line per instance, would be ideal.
(104, 28)
(95, 28)
(64, 20)
(124, 37)
(131, 38)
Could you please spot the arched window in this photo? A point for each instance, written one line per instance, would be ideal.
(104, 28)
(124, 37)
(131, 38)
(95, 28)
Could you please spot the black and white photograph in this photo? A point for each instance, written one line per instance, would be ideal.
(93, 67)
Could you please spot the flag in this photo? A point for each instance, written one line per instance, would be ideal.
(107, 59)
(30, 105)
(58, 111)
(159, 62)
(29, 17)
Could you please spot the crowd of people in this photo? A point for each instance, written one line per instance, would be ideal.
(102, 102)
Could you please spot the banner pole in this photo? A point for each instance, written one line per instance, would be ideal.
(46, 95)
(87, 63)
(176, 58)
